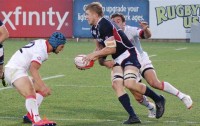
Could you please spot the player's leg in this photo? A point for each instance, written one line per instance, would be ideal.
(151, 78)
(26, 89)
(145, 102)
(117, 85)
(39, 99)
(20, 80)
(39, 94)
(1, 65)
(130, 75)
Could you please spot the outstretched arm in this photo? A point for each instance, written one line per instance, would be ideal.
(146, 30)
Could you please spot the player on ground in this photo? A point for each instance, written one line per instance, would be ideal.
(3, 36)
(29, 59)
(126, 68)
(147, 70)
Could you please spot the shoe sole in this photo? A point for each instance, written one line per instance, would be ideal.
(163, 109)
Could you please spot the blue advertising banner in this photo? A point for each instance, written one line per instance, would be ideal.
(133, 10)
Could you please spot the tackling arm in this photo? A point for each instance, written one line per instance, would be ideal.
(146, 30)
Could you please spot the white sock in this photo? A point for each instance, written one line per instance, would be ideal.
(167, 87)
(32, 108)
(39, 98)
(146, 103)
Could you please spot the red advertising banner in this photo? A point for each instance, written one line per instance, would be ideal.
(37, 18)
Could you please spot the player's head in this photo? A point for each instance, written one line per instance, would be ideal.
(56, 39)
(94, 11)
(119, 19)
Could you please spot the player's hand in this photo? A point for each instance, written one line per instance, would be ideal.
(89, 57)
(109, 64)
(144, 25)
(45, 91)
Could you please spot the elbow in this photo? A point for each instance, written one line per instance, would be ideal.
(113, 51)
(101, 61)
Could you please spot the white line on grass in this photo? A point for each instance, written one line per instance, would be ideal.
(152, 55)
(181, 48)
(51, 77)
(46, 78)
(188, 61)
(5, 88)
(83, 86)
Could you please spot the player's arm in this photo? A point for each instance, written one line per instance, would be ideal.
(38, 83)
(107, 63)
(98, 46)
(145, 29)
(109, 49)
(3, 33)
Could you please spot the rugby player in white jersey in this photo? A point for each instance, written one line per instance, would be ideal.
(3, 36)
(29, 59)
(147, 70)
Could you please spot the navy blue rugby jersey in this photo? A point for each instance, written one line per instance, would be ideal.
(1, 23)
(105, 29)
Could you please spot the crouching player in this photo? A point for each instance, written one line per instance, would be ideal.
(29, 59)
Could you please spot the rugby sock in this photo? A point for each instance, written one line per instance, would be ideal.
(146, 103)
(32, 108)
(39, 98)
(150, 93)
(167, 87)
(125, 101)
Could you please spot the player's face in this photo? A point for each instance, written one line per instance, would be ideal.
(91, 17)
(119, 22)
(59, 48)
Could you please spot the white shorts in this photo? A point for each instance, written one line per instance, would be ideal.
(145, 62)
(12, 74)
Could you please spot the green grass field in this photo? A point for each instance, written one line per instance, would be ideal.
(86, 98)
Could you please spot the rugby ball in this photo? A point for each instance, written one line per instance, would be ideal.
(78, 60)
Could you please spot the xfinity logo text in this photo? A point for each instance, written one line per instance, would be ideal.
(41, 18)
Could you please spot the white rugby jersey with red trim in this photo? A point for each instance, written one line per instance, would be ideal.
(35, 51)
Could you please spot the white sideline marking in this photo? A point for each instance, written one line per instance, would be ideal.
(152, 55)
(46, 78)
(180, 48)
(104, 120)
(83, 86)
(188, 61)
(51, 77)
(5, 88)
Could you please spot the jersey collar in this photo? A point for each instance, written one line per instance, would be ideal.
(98, 22)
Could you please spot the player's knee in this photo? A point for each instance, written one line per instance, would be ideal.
(129, 79)
(117, 80)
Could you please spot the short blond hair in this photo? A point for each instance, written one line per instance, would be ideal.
(96, 7)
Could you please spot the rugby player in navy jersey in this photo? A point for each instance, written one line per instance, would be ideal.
(3, 36)
(112, 41)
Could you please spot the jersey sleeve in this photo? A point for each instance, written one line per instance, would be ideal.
(38, 58)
